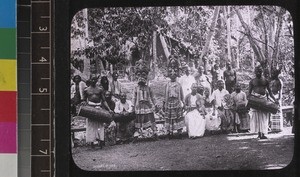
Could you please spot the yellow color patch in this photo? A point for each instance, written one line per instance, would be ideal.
(8, 75)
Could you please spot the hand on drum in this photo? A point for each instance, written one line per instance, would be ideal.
(84, 103)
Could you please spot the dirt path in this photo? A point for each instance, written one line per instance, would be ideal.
(215, 152)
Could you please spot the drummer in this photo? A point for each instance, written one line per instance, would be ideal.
(259, 87)
(124, 107)
(94, 96)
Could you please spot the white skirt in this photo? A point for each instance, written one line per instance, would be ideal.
(195, 123)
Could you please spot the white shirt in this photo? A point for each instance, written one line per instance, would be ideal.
(120, 107)
(218, 96)
(193, 100)
(186, 83)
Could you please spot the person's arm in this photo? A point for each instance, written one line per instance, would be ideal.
(130, 106)
(117, 108)
(234, 77)
(250, 88)
(105, 103)
(270, 92)
(181, 94)
(280, 91)
(151, 96)
(134, 98)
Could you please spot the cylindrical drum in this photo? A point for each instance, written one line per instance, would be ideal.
(124, 118)
(98, 114)
(262, 104)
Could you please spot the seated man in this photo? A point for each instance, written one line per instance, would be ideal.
(124, 107)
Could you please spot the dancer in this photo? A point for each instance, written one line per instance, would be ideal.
(174, 101)
(144, 104)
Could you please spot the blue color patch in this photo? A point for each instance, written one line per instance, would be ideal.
(8, 13)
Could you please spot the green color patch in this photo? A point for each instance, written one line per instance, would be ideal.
(8, 48)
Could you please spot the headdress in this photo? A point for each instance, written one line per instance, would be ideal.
(140, 66)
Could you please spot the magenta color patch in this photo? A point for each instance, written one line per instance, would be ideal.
(8, 137)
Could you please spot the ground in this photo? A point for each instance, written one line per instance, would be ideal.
(211, 152)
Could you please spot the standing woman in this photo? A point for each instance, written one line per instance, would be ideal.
(174, 101)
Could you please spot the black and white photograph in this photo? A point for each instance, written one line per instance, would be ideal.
(178, 88)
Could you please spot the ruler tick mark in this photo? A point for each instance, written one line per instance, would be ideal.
(45, 140)
(45, 171)
(40, 32)
(40, 63)
(40, 94)
(45, 47)
(40, 124)
(45, 16)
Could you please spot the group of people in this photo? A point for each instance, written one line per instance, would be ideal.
(191, 101)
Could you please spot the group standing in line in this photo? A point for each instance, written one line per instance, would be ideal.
(193, 101)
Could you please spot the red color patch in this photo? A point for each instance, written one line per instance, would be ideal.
(8, 106)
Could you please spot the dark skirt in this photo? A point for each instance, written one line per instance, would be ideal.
(173, 115)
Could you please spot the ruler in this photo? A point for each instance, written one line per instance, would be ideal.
(24, 96)
(41, 90)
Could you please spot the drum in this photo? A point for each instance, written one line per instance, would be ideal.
(262, 104)
(124, 119)
(99, 114)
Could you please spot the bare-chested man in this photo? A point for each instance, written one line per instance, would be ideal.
(230, 78)
(94, 96)
(259, 87)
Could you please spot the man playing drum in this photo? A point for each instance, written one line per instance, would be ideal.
(259, 87)
(94, 96)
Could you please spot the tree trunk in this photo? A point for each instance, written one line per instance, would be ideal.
(228, 33)
(277, 36)
(165, 47)
(254, 45)
(99, 64)
(209, 36)
(266, 44)
(154, 52)
(86, 60)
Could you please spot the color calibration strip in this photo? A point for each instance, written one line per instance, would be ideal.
(8, 89)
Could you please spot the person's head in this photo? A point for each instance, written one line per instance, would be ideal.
(220, 84)
(142, 77)
(115, 76)
(123, 97)
(93, 79)
(206, 92)
(266, 73)
(200, 69)
(258, 71)
(194, 88)
(275, 73)
(200, 89)
(108, 95)
(186, 70)
(216, 66)
(228, 65)
(173, 69)
(238, 88)
(141, 72)
(76, 79)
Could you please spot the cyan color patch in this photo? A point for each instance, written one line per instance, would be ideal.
(8, 14)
